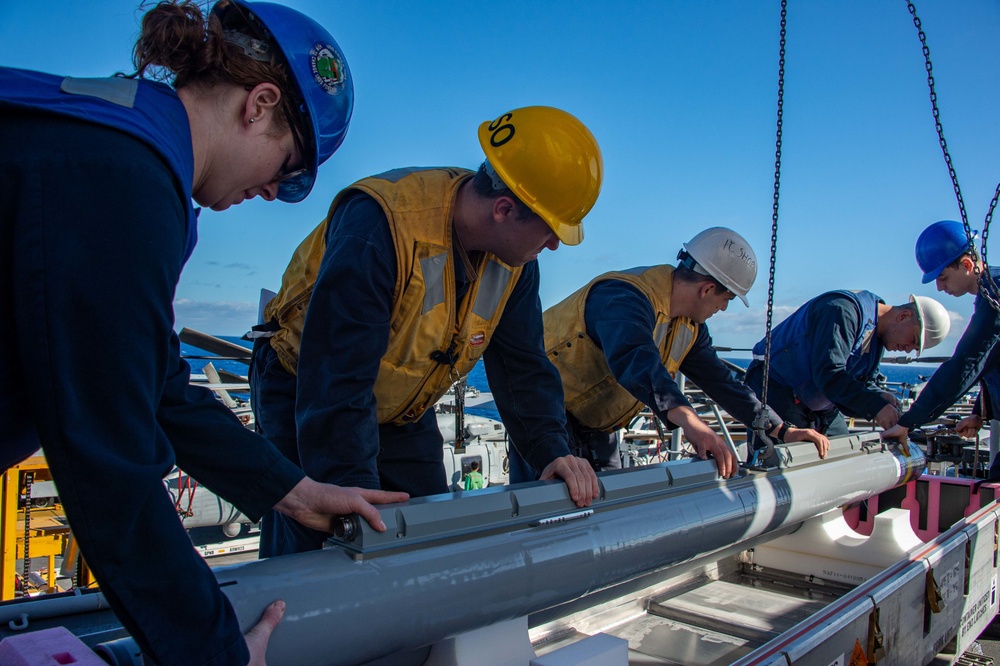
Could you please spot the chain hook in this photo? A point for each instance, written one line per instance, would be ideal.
(761, 453)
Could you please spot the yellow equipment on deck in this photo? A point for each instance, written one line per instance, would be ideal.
(39, 532)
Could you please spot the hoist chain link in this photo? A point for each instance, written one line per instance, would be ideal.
(760, 422)
(989, 218)
(993, 289)
(458, 383)
(988, 293)
(29, 479)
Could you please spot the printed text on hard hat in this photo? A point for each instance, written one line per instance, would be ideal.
(741, 251)
(501, 134)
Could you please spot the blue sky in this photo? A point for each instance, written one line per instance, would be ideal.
(681, 97)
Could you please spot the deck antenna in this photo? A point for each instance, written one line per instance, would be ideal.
(761, 422)
(987, 293)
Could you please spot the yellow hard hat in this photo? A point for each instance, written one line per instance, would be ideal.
(551, 161)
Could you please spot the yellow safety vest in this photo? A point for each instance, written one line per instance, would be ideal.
(592, 393)
(426, 319)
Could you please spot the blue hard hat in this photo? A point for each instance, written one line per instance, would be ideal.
(939, 245)
(323, 80)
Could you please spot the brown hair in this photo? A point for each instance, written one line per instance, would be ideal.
(971, 253)
(685, 274)
(482, 184)
(179, 45)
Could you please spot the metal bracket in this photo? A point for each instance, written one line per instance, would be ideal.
(20, 624)
(996, 541)
(876, 640)
(933, 593)
(761, 454)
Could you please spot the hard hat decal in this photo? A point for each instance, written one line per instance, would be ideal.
(726, 256)
(501, 133)
(318, 76)
(550, 161)
(749, 259)
(327, 68)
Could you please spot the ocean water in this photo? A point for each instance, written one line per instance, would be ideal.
(899, 378)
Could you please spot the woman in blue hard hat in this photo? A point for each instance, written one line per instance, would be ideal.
(96, 182)
(948, 258)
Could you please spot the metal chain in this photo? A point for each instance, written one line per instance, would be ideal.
(459, 387)
(29, 479)
(986, 233)
(987, 293)
(760, 422)
(75, 581)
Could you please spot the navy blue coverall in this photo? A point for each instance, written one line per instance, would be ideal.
(325, 418)
(94, 236)
(976, 358)
(834, 322)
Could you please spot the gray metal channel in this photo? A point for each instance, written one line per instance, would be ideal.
(715, 622)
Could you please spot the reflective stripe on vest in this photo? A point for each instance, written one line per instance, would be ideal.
(427, 322)
(432, 269)
(148, 111)
(682, 338)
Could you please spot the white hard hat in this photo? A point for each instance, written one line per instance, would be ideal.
(726, 256)
(934, 321)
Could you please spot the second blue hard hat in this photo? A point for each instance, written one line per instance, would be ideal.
(939, 245)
